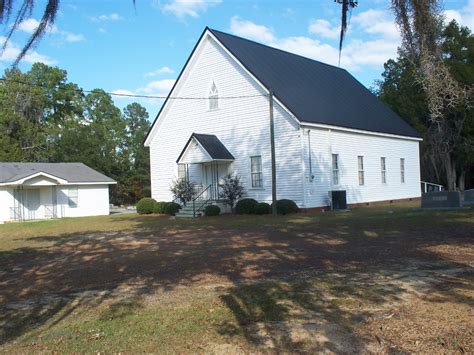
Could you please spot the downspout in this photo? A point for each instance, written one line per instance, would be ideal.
(311, 176)
(272, 145)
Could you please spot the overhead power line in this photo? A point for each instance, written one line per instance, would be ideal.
(139, 96)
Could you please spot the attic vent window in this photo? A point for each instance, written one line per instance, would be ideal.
(213, 98)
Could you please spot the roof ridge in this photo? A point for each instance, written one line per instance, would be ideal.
(276, 49)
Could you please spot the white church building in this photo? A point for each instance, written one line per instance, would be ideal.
(330, 132)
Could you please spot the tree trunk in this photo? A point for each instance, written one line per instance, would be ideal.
(434, 164)
(450, 171)
(462, 180)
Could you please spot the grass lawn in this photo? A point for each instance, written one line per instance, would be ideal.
(384, 279)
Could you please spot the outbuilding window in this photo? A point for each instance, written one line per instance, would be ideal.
(256, 171)
(213, 97)
(73, 197)
(335, 169)
(402, 170)
(360, 161)
(383, 170)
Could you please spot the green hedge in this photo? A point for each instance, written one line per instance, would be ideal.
(212, 210)
(263, 208)
(146, 205)
(246, 206)
(171, 208)
(285, 206)
(160, 207)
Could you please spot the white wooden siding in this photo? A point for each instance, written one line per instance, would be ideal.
(6, 201)
(241, 124)
(93, 200)
(243, 127)
(348, 146)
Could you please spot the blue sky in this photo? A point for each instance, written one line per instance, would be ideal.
(109, 44)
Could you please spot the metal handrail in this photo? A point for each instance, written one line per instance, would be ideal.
(15, 213)
(425, 185)
(197, 196)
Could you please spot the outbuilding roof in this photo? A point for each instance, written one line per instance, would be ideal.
(313, 91)
(71, 172)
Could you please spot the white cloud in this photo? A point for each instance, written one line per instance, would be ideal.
(356, 53)
(376, 22)
(102, 30)
(162, 70)
(106, 17)
(183, 8)
(251, 30)
(323, 28)
(73, 37)
(12, 51)
(30, 25)
(157, 88)
(464, 16)
(153, 88)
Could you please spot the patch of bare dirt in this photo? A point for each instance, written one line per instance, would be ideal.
(439, 320)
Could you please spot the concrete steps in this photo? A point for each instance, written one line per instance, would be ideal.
(187, 211)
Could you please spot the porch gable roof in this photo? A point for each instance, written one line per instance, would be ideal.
(211, 145)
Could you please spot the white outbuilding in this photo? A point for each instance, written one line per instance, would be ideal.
(30, 191)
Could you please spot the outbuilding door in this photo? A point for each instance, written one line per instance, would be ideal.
(32, 203)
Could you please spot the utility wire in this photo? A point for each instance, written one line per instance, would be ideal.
(138, 96)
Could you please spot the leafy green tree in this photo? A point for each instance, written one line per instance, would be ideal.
(401, 90)
(137, 126)
(22, 129)
(44, 117)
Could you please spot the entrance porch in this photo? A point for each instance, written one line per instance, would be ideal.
(35, 202)
(204, 162)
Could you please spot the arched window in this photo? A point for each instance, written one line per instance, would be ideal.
(213, 97)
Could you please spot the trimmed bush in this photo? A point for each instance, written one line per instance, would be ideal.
(246, 206)
(160, 207)
(285, 206)
(212, 210)
(146, 205)
(171, 208)
(263, 208)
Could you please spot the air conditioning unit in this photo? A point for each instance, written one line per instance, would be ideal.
(338, 200)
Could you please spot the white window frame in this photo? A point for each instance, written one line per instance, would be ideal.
(360, 165)
(402, 170)
(73, 197)
(335, 169)
(383, 169)
(213, 98)
(258, 173)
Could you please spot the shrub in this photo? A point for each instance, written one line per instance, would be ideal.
(171, 208)
(182, 190)
(146, 205)
(160, 207)
(212, 210)
(285, 206)
(231, 190)
(246, 206)
(263, 208)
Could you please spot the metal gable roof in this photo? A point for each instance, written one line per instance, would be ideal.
(71, 172)
(212, 145)
(313, 91)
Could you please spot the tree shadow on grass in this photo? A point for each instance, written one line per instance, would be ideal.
(88, 268)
